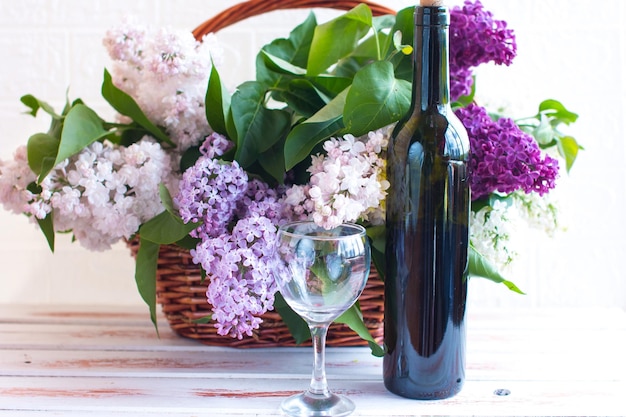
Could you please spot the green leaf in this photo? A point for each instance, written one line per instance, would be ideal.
(126, 135)
(47, 227)
(203, 320)
(405, 25)
(377, 236)
(293, 50)
(127, 106)
(258, 128)
(303, 137)
(35, 104)
(382, 22)
(189, 158)
(479, 266)
(168, 230)
(330, 86)
(568, 148)
(166, 200)
(349, 66)
(353, 318)
(273, 162)
(298, 328)
(145, 275)
(337, 38)
(42, 150)
(231, 129)
(300, 39)
(376, 99)
(34, 188)
(280, 65)
(544, 132)
(165, 229)
(189, 242)
(303, 97)
(217, 103)
(558, 111)
(81, 128)
(370, 48)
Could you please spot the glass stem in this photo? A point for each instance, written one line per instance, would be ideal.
(319, 386)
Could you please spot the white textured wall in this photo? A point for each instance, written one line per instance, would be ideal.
(569, 50)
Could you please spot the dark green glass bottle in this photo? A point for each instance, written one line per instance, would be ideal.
(427, 238)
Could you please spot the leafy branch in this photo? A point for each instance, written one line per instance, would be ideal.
(545, 128)
(323, 80)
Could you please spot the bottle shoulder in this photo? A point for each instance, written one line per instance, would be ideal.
(438, 132)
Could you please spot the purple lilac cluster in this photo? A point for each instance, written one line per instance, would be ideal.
(215, 145)
(240, 266)
(237, 237)
(504, 158)
(261, 200)
(208, 193)
(476, 38)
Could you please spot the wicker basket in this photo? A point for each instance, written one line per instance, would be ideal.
(180, 290)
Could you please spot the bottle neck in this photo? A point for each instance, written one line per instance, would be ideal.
(431, 76)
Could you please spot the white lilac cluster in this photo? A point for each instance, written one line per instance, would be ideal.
(237, 230)
(540, 212)
(347, 184)
(102, 194)
(166, 72)
(493, 229)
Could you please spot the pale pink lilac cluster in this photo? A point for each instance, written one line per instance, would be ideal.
(347, 183)
(166, 72)
(102, 194)
(237, 235)
(503, 157)
(476, 38)
(15, 177)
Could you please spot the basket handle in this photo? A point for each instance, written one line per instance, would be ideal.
(250, 8)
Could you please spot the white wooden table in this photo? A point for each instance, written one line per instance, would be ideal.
(82, 361)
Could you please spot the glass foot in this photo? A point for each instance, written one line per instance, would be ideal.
(308, 404)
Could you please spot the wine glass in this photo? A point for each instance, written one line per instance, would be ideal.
(321, 273)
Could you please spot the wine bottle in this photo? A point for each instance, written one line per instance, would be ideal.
(427, 234)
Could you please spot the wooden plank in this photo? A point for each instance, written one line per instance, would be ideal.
(152, 396)
(212, 362)
(514, 345)
(100, 361)
(88, 336)
(541, 335)
(494, 362)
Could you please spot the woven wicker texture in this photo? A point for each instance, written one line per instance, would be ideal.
(181, 293)
(180, 289)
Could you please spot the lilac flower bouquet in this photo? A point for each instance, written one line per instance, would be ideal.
(189, 163)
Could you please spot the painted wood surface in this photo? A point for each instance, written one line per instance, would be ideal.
(86, 361)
